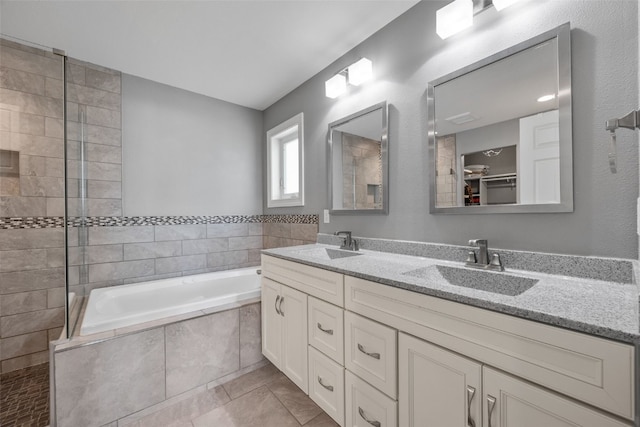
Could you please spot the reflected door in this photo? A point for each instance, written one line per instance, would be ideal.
(539, 159)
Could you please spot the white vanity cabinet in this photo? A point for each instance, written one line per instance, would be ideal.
(437, 387)
(284, 330)
(377, 355)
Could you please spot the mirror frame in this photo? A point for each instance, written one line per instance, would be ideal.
(563, 35)
(384, 148)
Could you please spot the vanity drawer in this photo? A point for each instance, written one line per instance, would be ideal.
(326, 328)
(323, 284)
(326, 384)
(371, 352)
(365, 406)
(592, 369)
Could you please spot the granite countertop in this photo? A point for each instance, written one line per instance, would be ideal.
(603, 308)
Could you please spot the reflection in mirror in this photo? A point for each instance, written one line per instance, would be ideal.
(358, 162)
(500, 131)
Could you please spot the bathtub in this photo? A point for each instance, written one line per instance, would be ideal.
(127, 305)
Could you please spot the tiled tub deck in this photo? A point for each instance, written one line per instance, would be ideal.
(111, 376)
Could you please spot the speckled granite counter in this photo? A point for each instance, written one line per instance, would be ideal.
(604, 308)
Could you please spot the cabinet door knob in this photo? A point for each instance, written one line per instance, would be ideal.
(364, 417)
(276, 304)
(470, 393)
(326, 331)
(374, 355)
(328, 387)
(491, 403)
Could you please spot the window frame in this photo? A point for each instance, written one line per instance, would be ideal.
(277, 137)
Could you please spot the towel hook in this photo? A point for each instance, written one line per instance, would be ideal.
(630, 121)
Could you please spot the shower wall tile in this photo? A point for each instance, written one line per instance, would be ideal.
(22, 81)
(53, 88)
(33, 165)
(20, 260)
(250, 242)
(13, 206)
(23, 344)
(180, 232)
(23, 323)
(23, 302)
(101, 383)
(152, 250)
(31, 238)
(101, 80)
(104, 117)
(96, 254)
(109, 235)
(201, 350)
(35, 186)
(182, 263)
(54, 206)
(55, 297)
(204, 246)
(54, 167)
(14, 121)
(96, 153)
(31, 63)
(76, 73)
(32, 104)
(30, 280)
(120, 270)
(24, 361)
(33, 145)
(95, 97)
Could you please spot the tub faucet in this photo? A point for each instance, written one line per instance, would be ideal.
(483, 256)
(348, 242)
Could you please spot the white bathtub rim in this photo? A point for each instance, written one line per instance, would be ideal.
(154, 318)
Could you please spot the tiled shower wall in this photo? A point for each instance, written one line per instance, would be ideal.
(32, 259)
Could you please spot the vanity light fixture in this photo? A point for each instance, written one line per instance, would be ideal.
(355, 74)
(458, 15)
(546, 98)
(454, 17)
(335, 86)
(501, 4)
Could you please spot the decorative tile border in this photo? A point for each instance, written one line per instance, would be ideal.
(7, 223)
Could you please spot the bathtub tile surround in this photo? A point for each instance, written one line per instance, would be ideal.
(91, 389)
(166, 363)
(201, 350)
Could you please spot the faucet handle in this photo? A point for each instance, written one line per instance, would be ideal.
(471, 257)
(496, 262)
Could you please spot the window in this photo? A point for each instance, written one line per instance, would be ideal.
(285, 170)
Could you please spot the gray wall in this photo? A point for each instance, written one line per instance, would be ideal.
(407, 54)
(188, 154)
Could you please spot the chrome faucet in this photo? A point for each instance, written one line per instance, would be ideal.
(482, 260)
(348, 242)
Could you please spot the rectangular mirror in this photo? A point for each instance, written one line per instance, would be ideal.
(358, 163)
(499, 131)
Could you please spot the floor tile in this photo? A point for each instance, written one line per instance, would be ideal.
(294, 399)
(252, 380)
(181, 413)
(322, 420)
(258, 408)
(24, 397)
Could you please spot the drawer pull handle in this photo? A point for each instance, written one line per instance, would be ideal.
(276, 304)
(364, 417)
(328, 387)
(470, 393)
(326, 331)
(491, 403)
(280, 306)
(374, 355)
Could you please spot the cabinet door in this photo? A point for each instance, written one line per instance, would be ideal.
(271, 322)
(511, 402)
(294, 336)
(437, 387)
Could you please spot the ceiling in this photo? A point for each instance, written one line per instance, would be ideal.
(248, 52)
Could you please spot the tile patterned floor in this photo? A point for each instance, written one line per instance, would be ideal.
(262, 398)
(24, 397)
